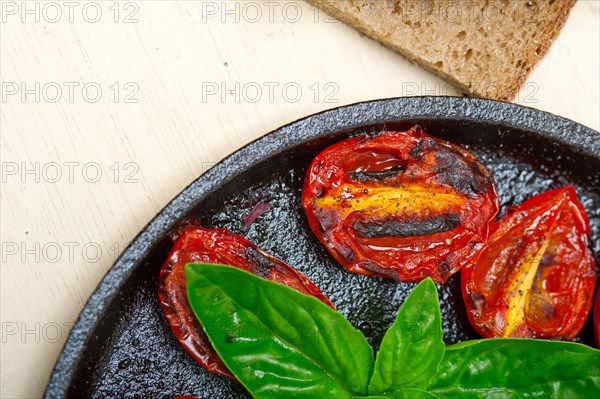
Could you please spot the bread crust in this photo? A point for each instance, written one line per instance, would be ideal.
(498, 77)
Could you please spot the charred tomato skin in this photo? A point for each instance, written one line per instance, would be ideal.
(400, 204)
(536, 275)
(218, 246)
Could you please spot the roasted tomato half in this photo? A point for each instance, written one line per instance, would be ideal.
(219, 246)
(400, 204)
(597, 318)
(535, 276)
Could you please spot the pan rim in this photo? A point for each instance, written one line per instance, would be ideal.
(353, 116)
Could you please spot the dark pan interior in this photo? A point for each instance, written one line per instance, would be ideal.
(130, 352)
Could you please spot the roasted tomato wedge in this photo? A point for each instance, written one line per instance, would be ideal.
(219, 246)
(597, 318)
(400, 204)
(535, 276)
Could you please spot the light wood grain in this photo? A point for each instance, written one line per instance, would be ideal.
(175, 130)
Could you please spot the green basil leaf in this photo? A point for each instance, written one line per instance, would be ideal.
(523, 368)
(413, 393)
(403, 393)
(413, 347)
(275, 340)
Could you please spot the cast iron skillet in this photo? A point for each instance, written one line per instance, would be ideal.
(121, 345)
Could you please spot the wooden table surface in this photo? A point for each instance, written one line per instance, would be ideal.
(110, 108)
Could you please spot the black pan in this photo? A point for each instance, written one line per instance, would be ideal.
(121, 345)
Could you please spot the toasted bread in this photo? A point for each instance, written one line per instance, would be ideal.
(484, 47)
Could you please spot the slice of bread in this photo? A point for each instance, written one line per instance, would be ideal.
(485, 47)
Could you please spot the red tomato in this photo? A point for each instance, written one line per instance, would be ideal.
(219, 246)
(597, 318)
(400, 204)
(536, 275)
